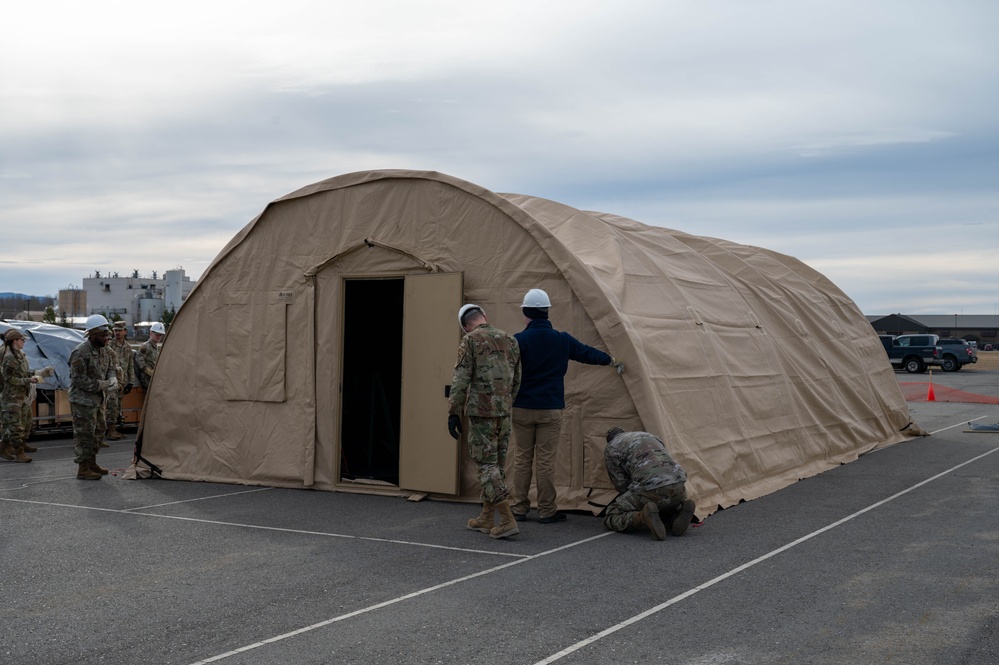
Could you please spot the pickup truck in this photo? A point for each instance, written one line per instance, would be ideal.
(957, 353)
(914, 353)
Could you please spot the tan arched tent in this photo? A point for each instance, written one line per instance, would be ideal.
(317, 349)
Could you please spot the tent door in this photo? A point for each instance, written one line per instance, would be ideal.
(371, 390)
(429, 457)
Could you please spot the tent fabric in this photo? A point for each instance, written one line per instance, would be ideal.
(755, 369)
(46, 345)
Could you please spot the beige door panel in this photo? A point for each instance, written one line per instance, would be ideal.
(428, 456)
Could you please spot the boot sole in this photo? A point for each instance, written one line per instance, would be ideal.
(480, 529)
(682, 519)
(509, 532)
(656, 525)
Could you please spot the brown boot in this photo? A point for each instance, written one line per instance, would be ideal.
(29, 448)
(21, 457)
(7, 452)
(86, 473)
(115, 435)
(97, 468)
(648, 516)
(485, 521)
(507, 525)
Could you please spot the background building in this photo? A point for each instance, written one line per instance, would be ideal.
(72, 302)
(135, 299)
(980, 328)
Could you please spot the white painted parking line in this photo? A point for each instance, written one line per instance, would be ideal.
(200, 498)
(37, 480)
(43, 445)
(735, 571)
(960, 424)
(324, 534)
(68, 461)
(393, 601)
(936, 431)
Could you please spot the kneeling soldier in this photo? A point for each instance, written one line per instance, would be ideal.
(652, 485)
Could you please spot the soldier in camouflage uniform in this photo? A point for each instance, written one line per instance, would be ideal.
(15, 409)
(652, 485)
(149, 353)
(486, 380)
(92, 371)
(126, 379)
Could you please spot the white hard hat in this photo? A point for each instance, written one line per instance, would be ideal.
(536, 298)
(157, 328)
(465, 310)
(95, 321)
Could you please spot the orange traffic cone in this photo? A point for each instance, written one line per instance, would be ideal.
(931, 396)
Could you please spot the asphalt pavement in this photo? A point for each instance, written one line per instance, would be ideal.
(890, 559)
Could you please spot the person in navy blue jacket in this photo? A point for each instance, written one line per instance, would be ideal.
(537, 411)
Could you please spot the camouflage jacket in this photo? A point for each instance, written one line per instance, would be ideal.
(89, 368)
(126, 361)
(486, 374)
(638, 461)
(146, 357)
(16, 377)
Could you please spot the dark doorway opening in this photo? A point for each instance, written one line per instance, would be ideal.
(371, 398)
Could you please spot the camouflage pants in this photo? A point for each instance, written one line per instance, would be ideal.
(16, 424)
(488, 441)
(88, 431)
(621, 512)
(113, 406)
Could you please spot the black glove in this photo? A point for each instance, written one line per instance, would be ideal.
(128, 389)
(454, 426)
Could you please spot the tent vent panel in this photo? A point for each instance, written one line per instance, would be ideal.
(256, 331)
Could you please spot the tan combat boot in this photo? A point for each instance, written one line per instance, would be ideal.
(97, 468)
(485, 521)
(115, 435)
(86, 473)
(29, 448)
(507, 525)
(7, 452)
(648, 516)
(19, 455)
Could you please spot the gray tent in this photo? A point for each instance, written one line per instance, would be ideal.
(46, 345)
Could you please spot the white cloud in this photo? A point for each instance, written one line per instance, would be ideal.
(819, 129)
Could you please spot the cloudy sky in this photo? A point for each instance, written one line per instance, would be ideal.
(860, 137)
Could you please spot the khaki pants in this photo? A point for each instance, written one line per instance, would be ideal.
(536, 434)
